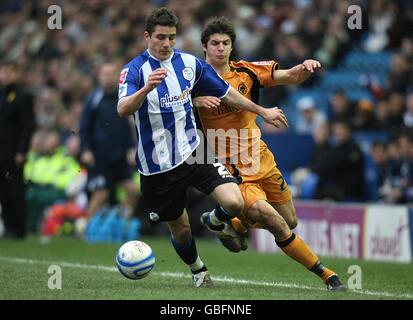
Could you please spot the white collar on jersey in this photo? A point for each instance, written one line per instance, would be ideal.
(166, 60)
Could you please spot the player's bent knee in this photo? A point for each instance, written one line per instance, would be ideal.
(235, 205)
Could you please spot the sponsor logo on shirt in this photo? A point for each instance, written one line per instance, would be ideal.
(262, 63)
(169, 101)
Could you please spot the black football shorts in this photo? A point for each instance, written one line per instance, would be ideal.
(164, 194)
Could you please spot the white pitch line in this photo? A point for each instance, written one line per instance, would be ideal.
(216, 278)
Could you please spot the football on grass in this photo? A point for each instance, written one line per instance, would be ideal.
(135, 259)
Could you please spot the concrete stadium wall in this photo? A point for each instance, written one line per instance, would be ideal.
(371, 232)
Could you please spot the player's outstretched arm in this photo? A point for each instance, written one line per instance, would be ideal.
(130, 104)
(274, 116)
(297, 74)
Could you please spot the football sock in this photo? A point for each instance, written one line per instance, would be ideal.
(213, 223)
(219, 215)
(298, 250)
(198, 266)
(217, 218)
(323, 272)
(187, 252)
(238, 226)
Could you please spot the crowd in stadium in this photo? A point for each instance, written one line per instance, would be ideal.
(60, 67)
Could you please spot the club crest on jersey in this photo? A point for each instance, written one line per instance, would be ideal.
(188, 73)
(123, 75)
(242, 88)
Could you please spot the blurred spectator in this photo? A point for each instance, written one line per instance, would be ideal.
(395, 115)
(335, 40)
(402, 26)
(364, 119)
(408, 114)
(399, 178)
(400, 73)
(50, 171)
(382, 115)
(380, 21)
(320, 157)
(342, 175)
(107, 146)
(16, 127)
(341, 109)
(322, 150)
(407, 48)
(382, 168)
(310, 117)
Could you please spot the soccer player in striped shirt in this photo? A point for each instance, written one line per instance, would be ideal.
(156, 87)
(267, 198)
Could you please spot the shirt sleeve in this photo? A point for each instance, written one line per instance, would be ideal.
(208, 82)
(128, 82)
(263, 70)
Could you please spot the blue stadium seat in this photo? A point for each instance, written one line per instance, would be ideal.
(351, 80)
(342, 80)
(357, 95)
(367, 62)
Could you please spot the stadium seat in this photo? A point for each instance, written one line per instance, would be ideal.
(342, 80)
(357, 95)
(367, 62)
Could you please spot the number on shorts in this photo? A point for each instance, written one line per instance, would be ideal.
(223, 172)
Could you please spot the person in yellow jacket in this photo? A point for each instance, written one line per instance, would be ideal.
(49, 171)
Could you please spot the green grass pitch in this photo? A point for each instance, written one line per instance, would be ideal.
(88, 272)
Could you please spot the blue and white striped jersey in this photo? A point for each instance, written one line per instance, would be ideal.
(165, 123)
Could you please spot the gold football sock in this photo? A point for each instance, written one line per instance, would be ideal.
(323, 272)
(298, 250)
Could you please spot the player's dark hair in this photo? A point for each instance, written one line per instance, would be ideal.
(161, 17)
(218, 25)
